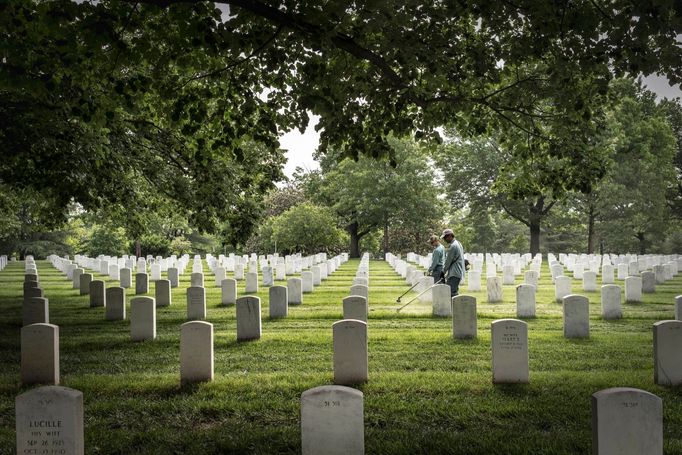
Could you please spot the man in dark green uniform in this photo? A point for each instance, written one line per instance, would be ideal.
(454, 261)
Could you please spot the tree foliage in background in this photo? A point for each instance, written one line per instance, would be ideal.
(370, 194)
(307, 228)
(100, 106)
(131, 104)
(631, 204)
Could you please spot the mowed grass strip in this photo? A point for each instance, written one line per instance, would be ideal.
(427, 392)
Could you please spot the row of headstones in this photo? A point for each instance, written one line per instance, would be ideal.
(113, 298)
(40, 341)
(512, 265)
(332, 421)
(658, 275)
(593, 261)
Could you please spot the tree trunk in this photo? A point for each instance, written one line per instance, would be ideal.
(385, 240)
(354, 240)
(138, 248)
(590, 230)
(534, 236)
(642, 243)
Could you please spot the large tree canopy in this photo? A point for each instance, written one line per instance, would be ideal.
(105, 102)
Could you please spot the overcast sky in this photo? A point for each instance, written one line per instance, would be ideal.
(300, 147)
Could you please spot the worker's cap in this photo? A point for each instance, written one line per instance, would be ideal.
(447, 232)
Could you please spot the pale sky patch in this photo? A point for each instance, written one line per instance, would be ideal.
(300, 147)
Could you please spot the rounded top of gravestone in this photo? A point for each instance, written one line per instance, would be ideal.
(352, 298)
(671, 322)
(326, 389)
(576, 298)
(508, 321)
(525, 286)
(610, 286)
(248, 299)
(135, 300)
(463, 298)
(620, 392)
(191, 324)
(50, 391)
(353, 322)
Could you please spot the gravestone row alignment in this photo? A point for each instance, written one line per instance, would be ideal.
(332, 421)
(196, 302)
(508, 335)
(525, 293)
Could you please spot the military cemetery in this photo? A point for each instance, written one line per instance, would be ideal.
(306, 227)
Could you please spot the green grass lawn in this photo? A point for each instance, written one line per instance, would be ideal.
(427, 392)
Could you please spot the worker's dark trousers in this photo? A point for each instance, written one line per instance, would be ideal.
(453, 282)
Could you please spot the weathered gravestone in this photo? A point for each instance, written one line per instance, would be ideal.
(474, 280)
(332, 421)
(611, 307)
(114, 272)
(220, 275)
(659, 274)
(648, 282)
(361, 290)
(248, 318)
(196, 303)
(633, 289)
(126, 277)
(441, 300)
(40, 354)
(668, 353)
(295, 291)
(279, 306)
(627, 421)
(35, 310)
(678, 307)
(162, 293)
(576, 316)
(76, 277)
(268, 279)
(317, 275)
(32, 292)
(239, 272)
(142, 318)
(562, 287)
(196, 280)
(196, 352)
(31, 285)
(174, 277)
(49, 420)
(360, 280)
(141, 283)
(525, 301)
(464, 322)
(494, 286)
(307, 281)
(531, 277)
(350, 352)
(508, 275)
(98, 295)
(116, 304)
(31, 277)
(589, 281)
(86, 279)
(510, 351)
(355, 307)
(607, 274)
(251, 282)
(228, 292)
